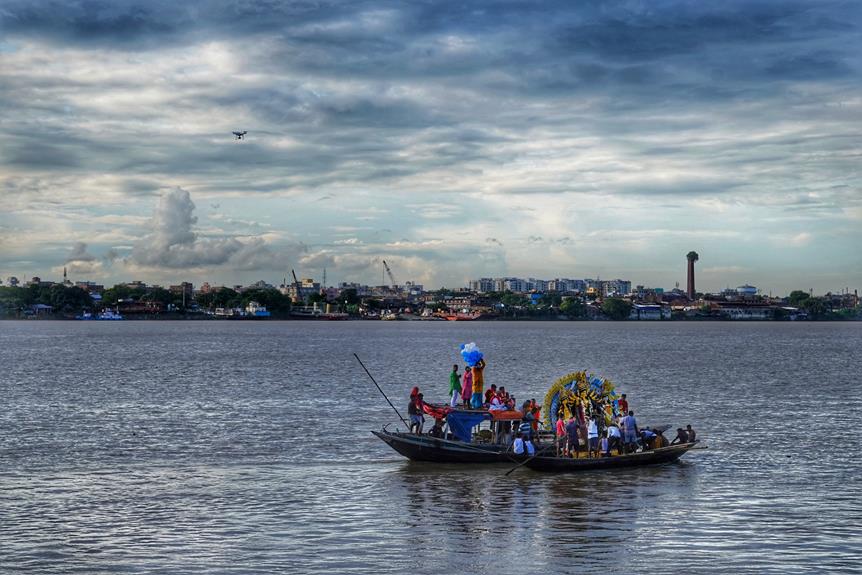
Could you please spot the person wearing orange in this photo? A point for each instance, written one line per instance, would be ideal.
(535, 409)
(478, 384)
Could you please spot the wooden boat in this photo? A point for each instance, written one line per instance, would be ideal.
(650, 457)
(428, 448)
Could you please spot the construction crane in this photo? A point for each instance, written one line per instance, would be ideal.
(389, 273)
(296, 283)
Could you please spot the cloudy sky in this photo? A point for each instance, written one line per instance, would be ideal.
(454, 140)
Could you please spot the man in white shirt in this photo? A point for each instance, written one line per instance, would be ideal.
(593, 436)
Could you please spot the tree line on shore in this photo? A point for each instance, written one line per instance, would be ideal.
(72, 300)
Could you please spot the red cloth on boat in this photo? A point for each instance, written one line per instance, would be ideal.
(436, 411)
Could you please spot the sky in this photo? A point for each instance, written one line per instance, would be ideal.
(455, 140)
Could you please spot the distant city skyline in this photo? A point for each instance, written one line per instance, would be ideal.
(455, 141)
(612, 286)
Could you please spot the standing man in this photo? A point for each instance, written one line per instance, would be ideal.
(593, 437)
(478, 384)
(454, 386)
(630, 432)
(572, 439)
(414, 413)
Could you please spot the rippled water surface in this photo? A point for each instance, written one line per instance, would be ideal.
(230, 447)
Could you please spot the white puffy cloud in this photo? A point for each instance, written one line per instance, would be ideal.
(173, 243)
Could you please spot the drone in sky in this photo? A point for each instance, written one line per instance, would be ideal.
(239, 135)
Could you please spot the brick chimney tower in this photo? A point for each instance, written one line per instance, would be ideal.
(691, 257)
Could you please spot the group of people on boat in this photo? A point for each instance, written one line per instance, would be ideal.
(467, 390)
(597, 422)
(622, 435)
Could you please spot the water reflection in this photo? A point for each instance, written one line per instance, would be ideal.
(587, 519)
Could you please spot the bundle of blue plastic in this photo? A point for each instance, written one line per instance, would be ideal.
(470, 353)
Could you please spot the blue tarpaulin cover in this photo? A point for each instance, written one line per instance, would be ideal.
(462, 422)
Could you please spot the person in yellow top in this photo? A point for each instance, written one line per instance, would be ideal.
(478, 384)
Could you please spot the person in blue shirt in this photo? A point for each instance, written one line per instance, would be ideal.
(647, 438)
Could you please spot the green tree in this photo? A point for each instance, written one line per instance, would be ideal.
(348, 297)
(273, 299)
(797, 297)
(510, 299)
(224, 297)
(318, 298)
(616, 308)
(551, 300)
(815, 307)
(160, 295)
(112, 295)
(573, 307)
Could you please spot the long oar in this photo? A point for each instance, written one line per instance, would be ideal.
(381, 391)
(538, 452)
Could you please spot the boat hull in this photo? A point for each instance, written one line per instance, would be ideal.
(427, 448)
(569, 465)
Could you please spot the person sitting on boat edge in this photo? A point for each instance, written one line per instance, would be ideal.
(692, 436)
(490, 394)
(478, 384)
(437, 429)
(467, 386)
(454, 386)
(681, 436)
(520, 445)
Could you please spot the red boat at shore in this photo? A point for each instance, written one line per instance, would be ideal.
(460, 316)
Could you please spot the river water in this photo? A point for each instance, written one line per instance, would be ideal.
(244, 447)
